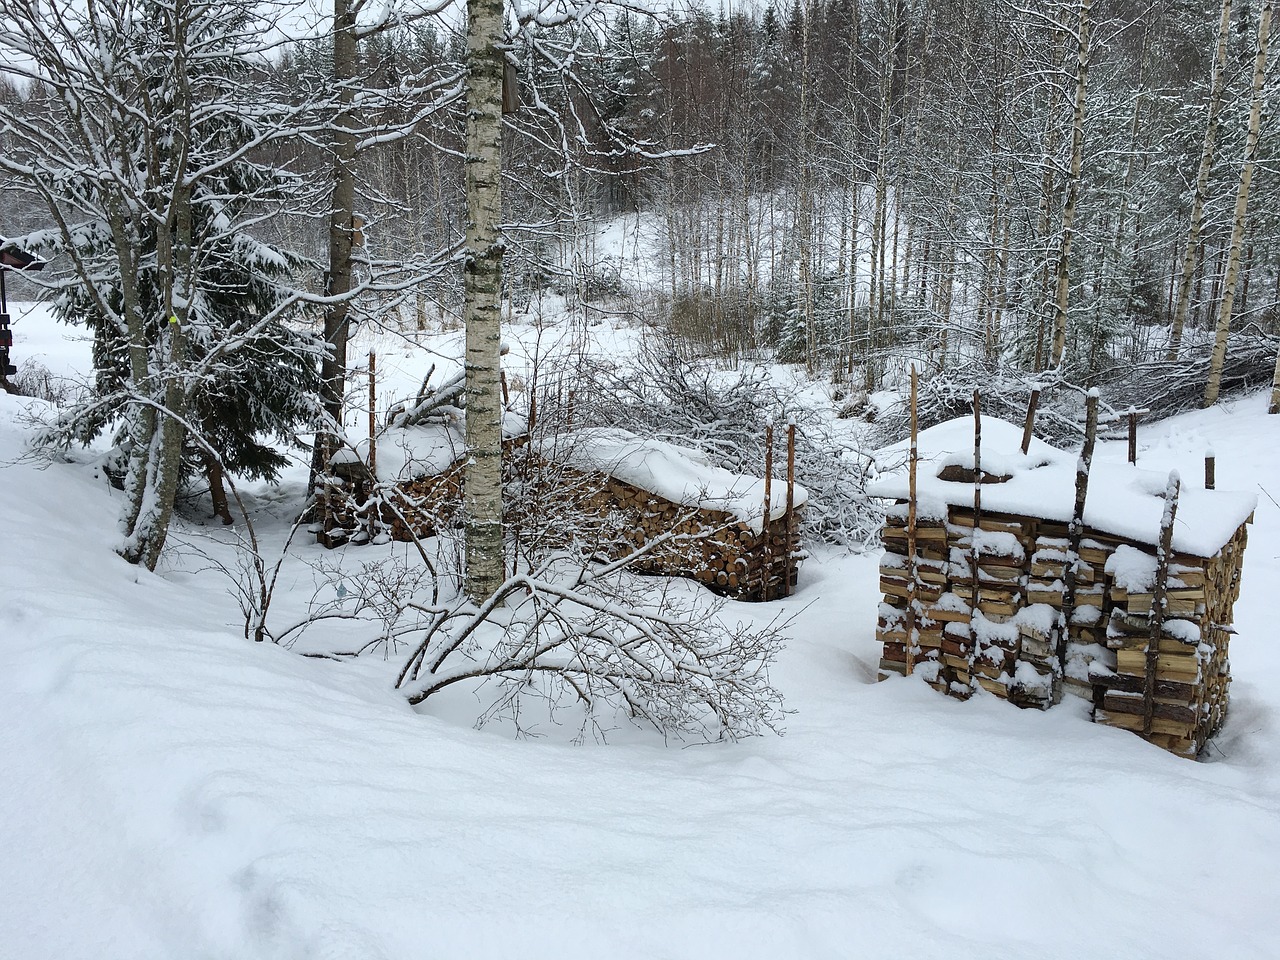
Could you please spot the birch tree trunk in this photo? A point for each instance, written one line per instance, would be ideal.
(482, 292)
(1241, 211)
(143, 425)
(1274, 406)
(853, 146)
(1073, 186)
(879, 225)
(1202, 185)
(1048, 191)
(804, 204)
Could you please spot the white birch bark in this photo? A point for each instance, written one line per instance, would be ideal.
(1202, 185)
(1242, 209)
(482, 288)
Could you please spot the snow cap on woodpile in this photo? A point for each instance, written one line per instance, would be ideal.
(679, 474)
(425, 449)
(1124, 500)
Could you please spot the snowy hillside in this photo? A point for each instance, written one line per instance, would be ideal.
(171, 790)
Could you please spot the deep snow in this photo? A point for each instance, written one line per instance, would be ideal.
(171, 790)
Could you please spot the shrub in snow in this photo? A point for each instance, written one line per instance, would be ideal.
(724, 415)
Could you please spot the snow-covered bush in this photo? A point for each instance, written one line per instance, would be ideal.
(948, 393)
(1162, 388)
(34, 379)
(1166, 388)
(660, 394)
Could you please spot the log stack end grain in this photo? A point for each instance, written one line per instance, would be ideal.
(1002, 634)
(727, 555)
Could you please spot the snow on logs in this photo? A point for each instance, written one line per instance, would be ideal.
(704, 522)
(1147, 613)
(615, 491)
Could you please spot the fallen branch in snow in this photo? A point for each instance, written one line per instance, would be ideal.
(601, 641)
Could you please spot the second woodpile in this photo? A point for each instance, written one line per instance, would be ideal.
(608, 516)
(711, 546)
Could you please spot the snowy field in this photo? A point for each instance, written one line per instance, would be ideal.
(172, 791)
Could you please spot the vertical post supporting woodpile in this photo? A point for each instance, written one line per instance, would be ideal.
(1029, 426)
(373, 415)
(791, 502)
(1159, 599)
(1133, 436)
(1210, 470)
(1075, 530)
(975, 550)
(767, 530)
(912, 571)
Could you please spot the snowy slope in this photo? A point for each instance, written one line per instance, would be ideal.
(173, 791)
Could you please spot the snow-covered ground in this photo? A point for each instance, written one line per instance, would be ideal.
(170, 790)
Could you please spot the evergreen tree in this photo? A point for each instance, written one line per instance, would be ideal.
(140, 140)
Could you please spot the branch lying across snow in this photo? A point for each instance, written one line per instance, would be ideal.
(1159, 387)
(599, 642)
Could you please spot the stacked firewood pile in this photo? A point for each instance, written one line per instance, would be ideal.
(697, 521)
(714, 547)
(610, 517)
(358, 510)
(1000, 639)
(1009, 640)
(1030, 607)
(364, 499)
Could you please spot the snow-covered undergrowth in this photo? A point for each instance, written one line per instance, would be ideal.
(171, 790)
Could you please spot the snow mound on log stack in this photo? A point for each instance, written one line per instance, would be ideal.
(1124, 500)
(679, 474)
(423, 450)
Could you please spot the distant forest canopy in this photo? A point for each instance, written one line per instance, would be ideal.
(835, 181)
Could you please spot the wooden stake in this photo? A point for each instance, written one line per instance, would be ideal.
(1031, 421)
(1075, 531)
(1133, 436)
(1159, 599)
(974, 550)
(791, 502)
(373, 416)
(1210, 470)
(911, 530)
(767, 530)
